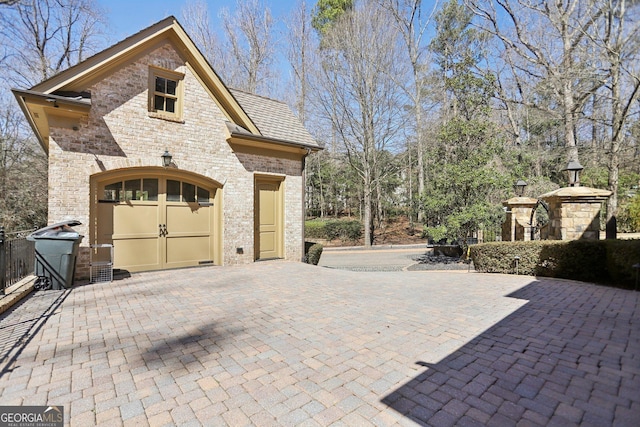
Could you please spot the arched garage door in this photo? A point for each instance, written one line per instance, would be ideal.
(156, 222)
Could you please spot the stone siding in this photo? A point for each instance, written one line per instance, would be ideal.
(119, 134)
(572, 221)
(518, 215)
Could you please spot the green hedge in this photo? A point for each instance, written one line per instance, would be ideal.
(314, 229)
(313, 251)
(602, 261)
(333, 229)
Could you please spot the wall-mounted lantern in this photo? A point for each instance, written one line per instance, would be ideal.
(166, 159)
(573, 170)
(519, 187)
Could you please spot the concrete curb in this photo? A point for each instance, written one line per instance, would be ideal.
(373, 248)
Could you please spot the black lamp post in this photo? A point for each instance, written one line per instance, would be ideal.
(166, 159)
(573, 170)
(519, 187)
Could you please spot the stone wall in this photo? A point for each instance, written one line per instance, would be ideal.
(574, 212)
(574, 220)
(518, 214)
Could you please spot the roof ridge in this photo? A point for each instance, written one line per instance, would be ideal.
(256, 95)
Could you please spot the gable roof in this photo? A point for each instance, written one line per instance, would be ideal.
(47, 98)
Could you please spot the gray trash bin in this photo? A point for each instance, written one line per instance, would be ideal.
(56, 248)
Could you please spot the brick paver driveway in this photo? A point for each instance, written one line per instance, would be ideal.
(280, 343)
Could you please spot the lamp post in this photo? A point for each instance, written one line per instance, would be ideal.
(573, 170)
(166, 159)
(519, 187)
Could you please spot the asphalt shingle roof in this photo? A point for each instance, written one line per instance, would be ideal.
(274, 119)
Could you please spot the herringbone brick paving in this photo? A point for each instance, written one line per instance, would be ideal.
(281, 343)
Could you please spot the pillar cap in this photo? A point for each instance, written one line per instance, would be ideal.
(524, 201)
(586, 193)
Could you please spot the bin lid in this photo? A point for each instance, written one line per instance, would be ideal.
(60, 230)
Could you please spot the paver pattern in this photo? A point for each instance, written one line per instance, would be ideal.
(279, 343)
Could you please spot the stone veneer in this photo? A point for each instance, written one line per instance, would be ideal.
(119, 133)
(516, 225)
(574, 212)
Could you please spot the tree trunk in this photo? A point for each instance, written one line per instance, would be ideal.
(368, 218)
(419, 146)
(569, 122)
(612, 202)
(614, 157)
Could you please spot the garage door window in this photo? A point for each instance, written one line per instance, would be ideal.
(203, 195)
(134, 189)
(178, 191)
(173, 191)
(188, 192)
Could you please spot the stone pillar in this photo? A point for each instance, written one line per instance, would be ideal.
(516, 225)
(574, 212)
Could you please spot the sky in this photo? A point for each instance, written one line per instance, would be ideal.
(127, 17)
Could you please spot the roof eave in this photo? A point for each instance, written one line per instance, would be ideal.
(23, 106)
(238, 135)
(83, 104)
(49, 103)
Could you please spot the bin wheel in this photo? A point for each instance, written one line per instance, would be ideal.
(42, 284)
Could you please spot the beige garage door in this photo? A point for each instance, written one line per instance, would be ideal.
(156, 223)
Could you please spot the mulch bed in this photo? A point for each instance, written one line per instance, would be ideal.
(440, 262)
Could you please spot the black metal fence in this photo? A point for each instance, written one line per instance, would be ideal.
(17, 256)
(490, 234)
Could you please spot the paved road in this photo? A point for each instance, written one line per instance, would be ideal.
(391, 258)
(279, 343)
(385, 259)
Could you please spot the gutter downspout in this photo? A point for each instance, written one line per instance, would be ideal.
(303, 174)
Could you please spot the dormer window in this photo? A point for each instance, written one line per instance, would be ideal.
(165, 94)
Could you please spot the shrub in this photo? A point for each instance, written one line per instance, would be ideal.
(314, 229)
(621, 256)
(314, 253)
(435, 234)
(634, 212)
(603, 261)
(351, 230)
(579, 260)
(333, 229)
(499, 257)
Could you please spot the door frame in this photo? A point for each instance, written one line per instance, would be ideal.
(161, 173)
(280, 212)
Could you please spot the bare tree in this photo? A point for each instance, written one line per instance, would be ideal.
(413, 24)
(39, 39)
(44, 37)
(359, 94)
(619, 39)
(197, 23)
(23, 175)
(557, 55)
(300, 54)
(250, 37)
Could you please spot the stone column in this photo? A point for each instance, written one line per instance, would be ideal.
(574, 212)
(516, 225)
